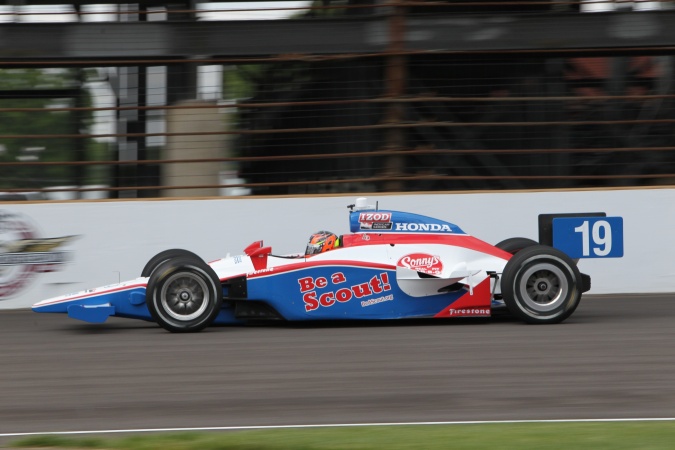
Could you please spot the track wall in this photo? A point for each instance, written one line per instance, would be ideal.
(112, 241)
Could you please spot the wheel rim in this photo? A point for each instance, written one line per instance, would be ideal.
(185, 296)
(543, 287)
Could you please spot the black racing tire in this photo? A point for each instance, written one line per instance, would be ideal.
(166, 255)
(516, 244)
(184, 295)
(541, 284)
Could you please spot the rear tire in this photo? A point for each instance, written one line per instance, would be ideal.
(184, 295)
(541, 284)
(516, 244)
(166, 255)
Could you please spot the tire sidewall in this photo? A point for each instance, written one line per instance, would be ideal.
(526, 262)
(191, 267)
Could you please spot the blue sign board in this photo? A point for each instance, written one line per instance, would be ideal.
(589, 237)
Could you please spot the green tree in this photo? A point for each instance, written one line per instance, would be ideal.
(34, 103)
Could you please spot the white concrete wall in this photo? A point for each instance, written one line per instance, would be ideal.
(116, 238)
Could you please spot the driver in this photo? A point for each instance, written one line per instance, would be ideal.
(322, 241)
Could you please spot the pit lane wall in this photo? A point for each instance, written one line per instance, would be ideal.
(50, 249)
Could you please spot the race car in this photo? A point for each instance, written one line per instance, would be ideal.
(392, 265)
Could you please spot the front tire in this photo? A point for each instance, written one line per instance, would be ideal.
(541, 284)
(184, 295)
(164, 256)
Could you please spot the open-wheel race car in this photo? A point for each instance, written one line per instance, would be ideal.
(392, 265)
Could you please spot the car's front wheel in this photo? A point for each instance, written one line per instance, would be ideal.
(184, 295)
(164, 256)
(541, 284)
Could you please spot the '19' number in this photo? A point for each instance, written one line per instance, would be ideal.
(601, 236)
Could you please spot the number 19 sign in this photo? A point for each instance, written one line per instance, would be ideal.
(589, 237)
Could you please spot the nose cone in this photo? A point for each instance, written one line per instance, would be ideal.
(49, 306)
(96, 305)
(52, 305)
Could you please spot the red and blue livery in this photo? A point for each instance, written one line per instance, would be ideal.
(392, 265)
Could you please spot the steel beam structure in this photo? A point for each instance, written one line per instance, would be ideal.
(152, 41)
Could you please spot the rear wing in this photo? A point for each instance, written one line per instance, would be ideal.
(583, 235)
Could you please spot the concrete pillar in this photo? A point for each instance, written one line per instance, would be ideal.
(192, 119)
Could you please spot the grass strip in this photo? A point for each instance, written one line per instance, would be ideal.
(521, 436)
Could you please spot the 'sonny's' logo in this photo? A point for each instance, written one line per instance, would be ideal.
(422, 262)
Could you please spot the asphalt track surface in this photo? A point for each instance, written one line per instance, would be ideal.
(614, 358)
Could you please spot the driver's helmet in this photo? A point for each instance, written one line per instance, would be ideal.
(320, 242)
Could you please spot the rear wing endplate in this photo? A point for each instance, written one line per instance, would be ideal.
(583, 235)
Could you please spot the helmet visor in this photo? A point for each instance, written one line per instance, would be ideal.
(314, 249)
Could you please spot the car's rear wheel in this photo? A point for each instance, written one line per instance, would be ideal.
(541, 284)
(516, 244)
(184, 295)
(166, 255)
